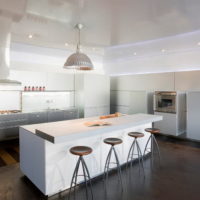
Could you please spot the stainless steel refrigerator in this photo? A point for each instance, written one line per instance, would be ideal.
(193, 115)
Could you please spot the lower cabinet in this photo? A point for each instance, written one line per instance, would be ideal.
(36, 118)
(70, 114)
(54, 116)
(9, 124)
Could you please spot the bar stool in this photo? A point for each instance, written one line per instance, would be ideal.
(112, 142)
(81, 151)
(154, 144)
(131, 153)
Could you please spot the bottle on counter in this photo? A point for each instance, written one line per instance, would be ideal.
(37, 88)
(40, 88)
(29, 88)
(33, 88)
(25, 88)
(43, 89)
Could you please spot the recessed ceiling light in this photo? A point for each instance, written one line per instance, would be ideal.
(66, 44)
(30, 36)
(135, 54)
(198, 43)
(163, 50)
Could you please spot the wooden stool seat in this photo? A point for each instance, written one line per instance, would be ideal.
(112, 141)
(152, 130)
(136, 134)
(81, 150)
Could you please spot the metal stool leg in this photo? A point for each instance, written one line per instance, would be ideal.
(152, 150)
(140, 157)
(145, 149)
(74, 177)
(118, 167)
(154, 146)
(87, 174)
(107, 164)
(130, 154)
(85, 177)
(158, 149)
(106, 168)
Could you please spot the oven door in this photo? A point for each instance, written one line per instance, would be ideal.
(165, 102)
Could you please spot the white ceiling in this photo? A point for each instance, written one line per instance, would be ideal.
(107, 22)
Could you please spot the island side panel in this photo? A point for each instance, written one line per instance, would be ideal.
(123, 149)
(32, 158)
(60, 163)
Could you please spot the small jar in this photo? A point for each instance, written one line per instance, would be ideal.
(33, 88)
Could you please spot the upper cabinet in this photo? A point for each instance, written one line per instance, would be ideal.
(92, 94)
(187, 81)
(60, 82)
(51, 81)
(29, 78)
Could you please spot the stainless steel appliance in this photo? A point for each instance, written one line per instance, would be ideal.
(172, 106)
(165, 102)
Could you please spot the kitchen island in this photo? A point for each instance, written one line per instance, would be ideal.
(44, 148)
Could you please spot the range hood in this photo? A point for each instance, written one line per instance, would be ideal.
(5, 40)
(9, 82)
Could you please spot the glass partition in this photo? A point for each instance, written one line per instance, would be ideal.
(43, 101)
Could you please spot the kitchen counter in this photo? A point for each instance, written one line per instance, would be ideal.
(9, 123)
(64, 130)
(44, 148)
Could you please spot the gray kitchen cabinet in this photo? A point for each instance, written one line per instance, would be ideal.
(54, 116)
(9, 125)
(60, 115)
(39, 117)
(10, 133)
(70, 114)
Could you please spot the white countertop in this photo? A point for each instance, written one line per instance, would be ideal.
(56, 132)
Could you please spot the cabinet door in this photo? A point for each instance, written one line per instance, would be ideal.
(168, 125)
(60, 81)
(54, 116)
(35, 118)
(29, 78)
(70, 114)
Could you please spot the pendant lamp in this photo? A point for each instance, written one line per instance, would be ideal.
(78, 60)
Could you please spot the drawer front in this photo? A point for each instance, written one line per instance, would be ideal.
(54, 116)
(9, 133)
(70, 114)
(36, 118)
(12, 121)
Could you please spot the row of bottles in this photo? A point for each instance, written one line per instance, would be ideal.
(34, 88)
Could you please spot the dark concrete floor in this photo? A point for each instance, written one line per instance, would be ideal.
(178, 178)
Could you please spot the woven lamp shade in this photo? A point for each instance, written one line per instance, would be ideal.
(78, 61)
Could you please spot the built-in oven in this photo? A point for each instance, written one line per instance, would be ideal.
(165, 101)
